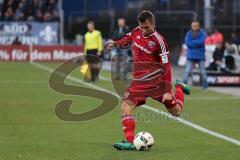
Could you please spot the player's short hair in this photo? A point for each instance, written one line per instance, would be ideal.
(146, 15)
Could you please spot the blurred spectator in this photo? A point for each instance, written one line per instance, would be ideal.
(52, 5)
(217, 36)
(234, 39)
(55, 15)
(217, 57)
(21, 11)
(47, 17)
(194, 40)
(34, 5)
(38, 15)
(42, 5)
(11, 3)
(209, 39)
(120, 56)
(231, 59)
(213, 37)
(37, 10)
(8, 14)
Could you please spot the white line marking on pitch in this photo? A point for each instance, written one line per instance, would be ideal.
(181, 120)
(105, 78)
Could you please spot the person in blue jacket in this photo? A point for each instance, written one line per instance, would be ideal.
(194, 40)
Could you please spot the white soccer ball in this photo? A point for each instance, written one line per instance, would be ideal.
(143, 141)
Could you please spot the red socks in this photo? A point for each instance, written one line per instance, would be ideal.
(128, 124)
(179, 95)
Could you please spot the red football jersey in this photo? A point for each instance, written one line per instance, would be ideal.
(151, 51)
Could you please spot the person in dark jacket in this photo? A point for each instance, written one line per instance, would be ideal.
(120, 56)
(217, 57)
(194, 40)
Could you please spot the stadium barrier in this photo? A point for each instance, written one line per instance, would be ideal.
(26, 53)
(29, 33)
(217, 79)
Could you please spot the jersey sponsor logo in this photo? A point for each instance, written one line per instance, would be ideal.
(151, 44)
(138, 37)
(142, 48)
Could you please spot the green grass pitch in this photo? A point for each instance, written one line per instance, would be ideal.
(30, 130)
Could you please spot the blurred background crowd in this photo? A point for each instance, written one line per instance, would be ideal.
(29, 10)
(222, 52)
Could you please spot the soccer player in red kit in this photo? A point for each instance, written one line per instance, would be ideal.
(151, 75)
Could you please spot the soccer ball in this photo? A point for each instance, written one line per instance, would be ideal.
(143, 141)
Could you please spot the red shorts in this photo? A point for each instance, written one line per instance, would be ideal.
(150, 80)
(137, 93)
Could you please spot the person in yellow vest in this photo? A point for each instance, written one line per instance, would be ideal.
(93, 46)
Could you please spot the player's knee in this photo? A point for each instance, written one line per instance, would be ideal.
(127, 108)
(175, 111)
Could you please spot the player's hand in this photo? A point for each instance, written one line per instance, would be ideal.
(109, 45)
